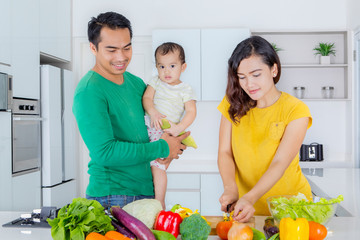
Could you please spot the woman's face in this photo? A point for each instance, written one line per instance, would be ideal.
(256, 78)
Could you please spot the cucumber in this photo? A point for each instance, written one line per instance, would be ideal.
(162, 235)
(275, 237)
(141, 231)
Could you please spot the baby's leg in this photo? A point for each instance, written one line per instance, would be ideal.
(160, 182)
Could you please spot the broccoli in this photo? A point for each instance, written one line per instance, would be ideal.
(194, 228)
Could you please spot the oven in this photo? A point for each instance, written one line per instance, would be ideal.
(26, 136)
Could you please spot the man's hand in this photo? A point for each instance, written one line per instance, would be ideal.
(175, 146)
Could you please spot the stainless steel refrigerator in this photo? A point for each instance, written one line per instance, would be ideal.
(58, 137)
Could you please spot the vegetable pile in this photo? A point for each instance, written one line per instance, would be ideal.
(299, 207)
(78, 219)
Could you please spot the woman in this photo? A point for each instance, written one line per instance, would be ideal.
(261, 132)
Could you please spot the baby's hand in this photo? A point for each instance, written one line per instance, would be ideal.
(155, 119)
(174, 130)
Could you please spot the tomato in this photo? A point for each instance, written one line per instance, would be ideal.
(317, 231)
(95, 236)
(240, 231)
(222, 229)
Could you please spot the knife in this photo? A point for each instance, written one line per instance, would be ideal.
(228, 210)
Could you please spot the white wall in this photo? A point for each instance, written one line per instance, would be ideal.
(353, 14)
(146, 15)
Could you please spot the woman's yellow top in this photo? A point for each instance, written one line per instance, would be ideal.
(255, 140)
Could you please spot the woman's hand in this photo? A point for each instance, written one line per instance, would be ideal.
(243, 210)
(174, 130)
(230, 196)
(155, 118)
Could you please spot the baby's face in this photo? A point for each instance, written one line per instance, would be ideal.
(169, 67)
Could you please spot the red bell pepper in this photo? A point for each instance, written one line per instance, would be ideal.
(169, 222)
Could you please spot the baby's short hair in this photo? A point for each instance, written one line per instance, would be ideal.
(167, 47)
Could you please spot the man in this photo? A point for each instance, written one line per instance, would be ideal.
(110, 117)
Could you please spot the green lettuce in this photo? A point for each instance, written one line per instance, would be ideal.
(300, 207)
(76, 220)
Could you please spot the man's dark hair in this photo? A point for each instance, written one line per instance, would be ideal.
(167, 47)
(111, 20)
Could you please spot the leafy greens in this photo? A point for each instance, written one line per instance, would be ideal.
(78, 219)
(299, 207)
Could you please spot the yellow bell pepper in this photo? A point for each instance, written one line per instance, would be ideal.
(294, 229)
(186, 212)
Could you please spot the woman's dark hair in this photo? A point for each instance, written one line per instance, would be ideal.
(167, 47)
(111, 20)
(240, 102)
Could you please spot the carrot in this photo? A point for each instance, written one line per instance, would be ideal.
(113, 235)
(95, 236)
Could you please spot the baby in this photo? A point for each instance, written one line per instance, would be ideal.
(167, 97)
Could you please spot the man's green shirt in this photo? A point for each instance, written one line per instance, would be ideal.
(110, 118)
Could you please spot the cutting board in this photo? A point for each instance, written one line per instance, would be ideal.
(213, 220)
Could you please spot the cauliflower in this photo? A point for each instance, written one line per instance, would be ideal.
(194, 228)
(145, 210)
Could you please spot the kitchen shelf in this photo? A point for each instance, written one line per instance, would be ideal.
(301, 68)
(314, 66)
(325, 99)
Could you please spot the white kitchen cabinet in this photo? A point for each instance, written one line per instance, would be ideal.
(55, 28)
(184, 198)
(211, 190)
(26, 192)
(69, 127)
(5, 161)
(189, 39)
(217, 46)
(183, 189)
(25, 50)
(51, 125)
(59, 195)
(300, 67)
(207, 52)
(5, 33)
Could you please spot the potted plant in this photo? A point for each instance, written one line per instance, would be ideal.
(325, 50)
(276, 48)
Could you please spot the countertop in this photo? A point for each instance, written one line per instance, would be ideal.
(339, 228)
(324, 182)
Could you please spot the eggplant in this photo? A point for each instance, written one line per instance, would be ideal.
(123, 230)
(270, 228)
(141, 231)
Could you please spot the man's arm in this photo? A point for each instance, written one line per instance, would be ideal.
(91, 113)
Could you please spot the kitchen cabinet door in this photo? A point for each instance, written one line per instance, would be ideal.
(5, 163)
(189, 39)
(184, 198)
(217, 46)
(25, 51)
(52, 167)
(55, 28)
(69, 126)
(5, 33)
(26, 193)
(211, 190)
(183, 189)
